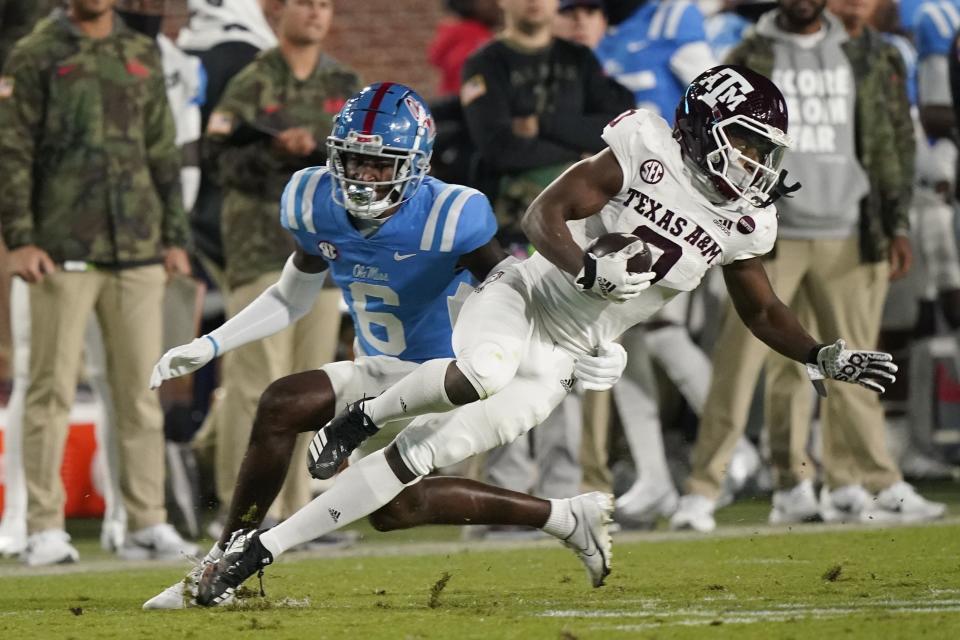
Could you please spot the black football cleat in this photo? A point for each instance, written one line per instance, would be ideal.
(332, 446)
(244, 556)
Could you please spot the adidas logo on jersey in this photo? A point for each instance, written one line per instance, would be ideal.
(725, 225)
(567, 383)
(334, 514)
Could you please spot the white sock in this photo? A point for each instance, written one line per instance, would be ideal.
(420, 392)
(360, 490)
(561, 522)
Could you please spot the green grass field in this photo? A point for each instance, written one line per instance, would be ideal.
(746, 582)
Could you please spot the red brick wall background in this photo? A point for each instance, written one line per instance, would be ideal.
(380, 39)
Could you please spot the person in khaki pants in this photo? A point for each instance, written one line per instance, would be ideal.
(839, 240)
(267, 126)
(91, 210)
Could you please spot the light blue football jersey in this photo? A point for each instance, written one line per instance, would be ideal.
(935, 22)
(395, 282)
(637, 52)
(724, 31)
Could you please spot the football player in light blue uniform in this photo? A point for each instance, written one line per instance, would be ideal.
(656, 52)
(401, 246)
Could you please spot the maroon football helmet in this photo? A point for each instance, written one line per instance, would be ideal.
(732, 128)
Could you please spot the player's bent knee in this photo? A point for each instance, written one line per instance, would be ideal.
(489, 367)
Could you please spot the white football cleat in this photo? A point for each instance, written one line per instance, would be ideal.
(157, 542)
(694, 512)
(795, 505)
(180, 595)
(902, 500)
(51, 546)
(643, 504)
(590, 539)
(13, 537)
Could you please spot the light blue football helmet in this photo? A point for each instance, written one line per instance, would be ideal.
(389, 121)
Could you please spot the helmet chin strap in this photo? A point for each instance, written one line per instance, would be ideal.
(780, 189)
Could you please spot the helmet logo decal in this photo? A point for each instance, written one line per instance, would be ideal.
(651, 171)
(423, 118)
(726, 87)
(328, 250)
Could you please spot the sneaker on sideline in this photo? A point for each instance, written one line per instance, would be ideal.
(157, 542)
(643, 504)
(903, 500)
(852, 503)
(13, 537)
(795, 505)
(694, 512)
(51, 546)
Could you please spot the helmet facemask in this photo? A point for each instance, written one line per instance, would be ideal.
(362, 198)
(746, 161)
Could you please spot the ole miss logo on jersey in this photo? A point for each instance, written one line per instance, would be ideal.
(651, 171)
(328, 250)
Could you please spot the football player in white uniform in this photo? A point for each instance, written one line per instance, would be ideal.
(698, 194)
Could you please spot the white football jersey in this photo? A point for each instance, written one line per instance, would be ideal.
(658, 202)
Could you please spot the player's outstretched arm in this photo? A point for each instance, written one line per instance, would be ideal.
(776, 325)
(282, 304)
(580, 192)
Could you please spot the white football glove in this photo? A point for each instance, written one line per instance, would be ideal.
(182, 360)
(871, 369)
(601, 371)
(608, 277)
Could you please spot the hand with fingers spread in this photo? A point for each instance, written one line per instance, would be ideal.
(609, 278)
(602, 370)
(874, 370)
(184, 359)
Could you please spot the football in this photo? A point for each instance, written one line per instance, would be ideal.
(613, 242)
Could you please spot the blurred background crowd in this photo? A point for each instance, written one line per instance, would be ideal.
(141, 220)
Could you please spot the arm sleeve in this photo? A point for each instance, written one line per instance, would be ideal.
(623, 137)
(22, 98)
(164, 158)
(904, 137)
(282, 304)
(933, 82)
(604, 98)
(486, 109)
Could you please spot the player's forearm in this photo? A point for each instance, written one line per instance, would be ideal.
(546, 227)
(778, 328)
(281, 305)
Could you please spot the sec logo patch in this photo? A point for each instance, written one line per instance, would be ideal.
(746, 225)
(651, 171)
(328, 250)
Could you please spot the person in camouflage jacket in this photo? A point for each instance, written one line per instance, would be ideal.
(272, 120)
(91, 210)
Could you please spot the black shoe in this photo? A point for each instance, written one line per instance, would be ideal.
(245, 556)
(333, 444)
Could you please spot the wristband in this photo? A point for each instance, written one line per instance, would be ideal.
(216, 347)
